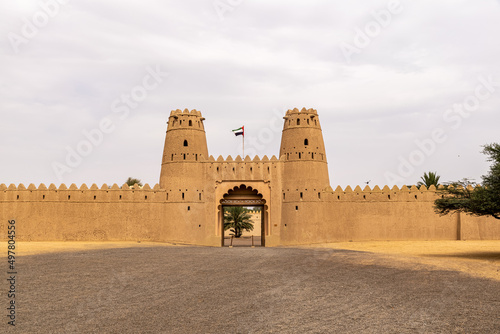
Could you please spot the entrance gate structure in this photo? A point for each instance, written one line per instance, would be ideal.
(197, 186)
(245, 197)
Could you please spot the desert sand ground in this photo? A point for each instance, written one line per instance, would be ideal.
(370, 287)
(476, 258)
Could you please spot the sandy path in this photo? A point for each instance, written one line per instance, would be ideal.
(476, 258)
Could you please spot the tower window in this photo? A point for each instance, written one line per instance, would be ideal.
(182, 195)
(185, 143)
(306, 142)
(312, 155)
(300, 156)
(288, 156)
(308, 121)
(184, 156)
(199, 196)
(283, 195)
(190, 123)
(196, 157)
(189, 208)
(296, 208)
(298, 121)
(301, 196)
(172, 158)
(319, 195)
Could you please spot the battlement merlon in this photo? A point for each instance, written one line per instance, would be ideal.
(185, 112)
(302, 111)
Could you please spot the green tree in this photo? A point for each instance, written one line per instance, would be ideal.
(429, 179)
(131, 181)
(237, 219)
(467, 197)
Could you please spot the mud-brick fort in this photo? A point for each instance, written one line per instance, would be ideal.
(298, 204)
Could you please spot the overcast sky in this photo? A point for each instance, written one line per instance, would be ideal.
(401, 87)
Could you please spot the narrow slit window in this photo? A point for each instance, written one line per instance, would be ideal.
(300, 156)
(182, 195)
(283, 195)
(306, 142)
(301, 196)
(199, 196)
(185, 143)
(184, 156)
(95, 197)
(190, 123)
(298, 121)
(319, 195)
(296, 208)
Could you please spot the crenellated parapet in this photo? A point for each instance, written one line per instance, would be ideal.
(385, 194)
(75, 194)
(185, 119)
(305, 118)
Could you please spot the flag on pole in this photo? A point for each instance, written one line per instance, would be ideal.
(240, 131)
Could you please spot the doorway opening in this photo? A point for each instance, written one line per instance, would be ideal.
(243, 217)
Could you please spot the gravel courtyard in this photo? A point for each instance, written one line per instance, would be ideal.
(160, 289)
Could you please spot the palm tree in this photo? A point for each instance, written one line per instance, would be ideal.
(237, 219)
(131, 181)
(429, 179)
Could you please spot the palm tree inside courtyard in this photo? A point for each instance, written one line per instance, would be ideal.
(429, 179)
(237, 219)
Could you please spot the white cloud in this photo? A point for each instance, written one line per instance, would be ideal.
(262, 56)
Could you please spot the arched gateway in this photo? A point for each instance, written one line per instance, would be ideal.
(199, 186)
(246, 197)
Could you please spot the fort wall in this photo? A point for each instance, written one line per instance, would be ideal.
(379, 214)
(145, 214)
(298, 204)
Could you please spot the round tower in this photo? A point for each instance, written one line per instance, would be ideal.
(185, 147)
(303, 153)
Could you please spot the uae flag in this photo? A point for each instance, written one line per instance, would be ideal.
(240, 131)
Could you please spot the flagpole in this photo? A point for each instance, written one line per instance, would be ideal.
(243, 145)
